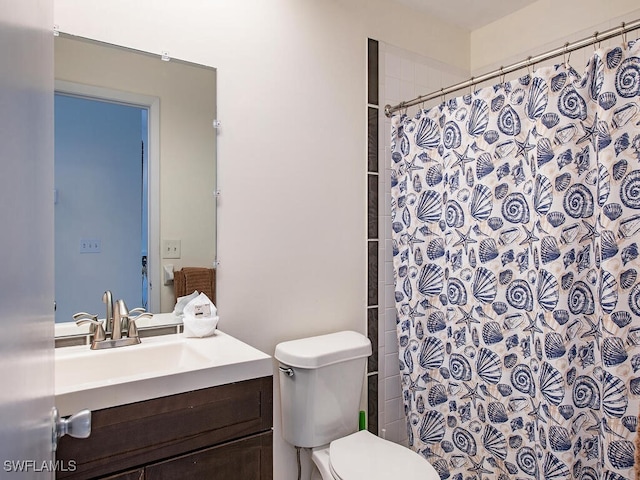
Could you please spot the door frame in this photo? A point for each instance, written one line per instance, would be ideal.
(153, 200)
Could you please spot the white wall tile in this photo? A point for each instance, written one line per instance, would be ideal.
(393, 410)
(392, 387)
(422, 74)
(407, 69)
(393, 65)
(386, 206)
(391, 342)
(407, 91)
(389, 295)
(388, 272)
(392, 90)
(388, 246)
(392, 365)
(390, 319)
(393, 431)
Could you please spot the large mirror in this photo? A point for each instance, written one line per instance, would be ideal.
(135, 175)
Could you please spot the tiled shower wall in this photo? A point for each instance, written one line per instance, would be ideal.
(402, 76)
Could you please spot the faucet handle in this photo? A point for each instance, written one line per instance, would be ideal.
(96, 327)
(83, 315)
(133, 328)
(137, 310)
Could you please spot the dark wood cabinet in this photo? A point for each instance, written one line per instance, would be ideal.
(137, 474)
(242, 459)
(223, 432)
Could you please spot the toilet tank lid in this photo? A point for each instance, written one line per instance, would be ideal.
(323, 350)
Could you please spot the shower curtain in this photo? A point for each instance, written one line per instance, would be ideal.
(516, 224)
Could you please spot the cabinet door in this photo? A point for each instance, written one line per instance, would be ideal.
(246, 459)
(137, 474)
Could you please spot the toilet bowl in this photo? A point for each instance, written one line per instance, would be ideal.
(364, 456)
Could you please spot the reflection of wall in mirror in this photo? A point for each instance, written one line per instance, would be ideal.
(187, 94)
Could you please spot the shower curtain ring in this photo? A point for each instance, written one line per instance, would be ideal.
(566, 57)
(471, 85)
(624, 36)
(595, 41)
(529, 65)
(501, 74)
(442, 95)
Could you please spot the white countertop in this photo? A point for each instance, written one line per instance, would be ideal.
(159, 366)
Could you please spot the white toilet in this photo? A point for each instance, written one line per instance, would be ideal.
(320, 385)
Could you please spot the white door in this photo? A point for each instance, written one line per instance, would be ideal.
(26, 216)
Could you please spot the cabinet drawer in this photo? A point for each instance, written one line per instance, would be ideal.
(141, 433)
(246, 459)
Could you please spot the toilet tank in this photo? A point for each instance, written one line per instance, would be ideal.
(320, 386)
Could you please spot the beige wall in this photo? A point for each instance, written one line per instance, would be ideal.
(292, 147)
(187, 143)
(546, 25)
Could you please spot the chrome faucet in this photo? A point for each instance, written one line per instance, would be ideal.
(120, 316)
(107, 298)
(118, 319)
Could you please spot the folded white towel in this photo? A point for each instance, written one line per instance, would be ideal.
(200, 317)
(182, 302)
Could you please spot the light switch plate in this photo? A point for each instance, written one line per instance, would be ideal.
(171, 249)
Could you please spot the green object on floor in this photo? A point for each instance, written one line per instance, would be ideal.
(363, 421)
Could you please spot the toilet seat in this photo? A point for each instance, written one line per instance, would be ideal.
(363, 455)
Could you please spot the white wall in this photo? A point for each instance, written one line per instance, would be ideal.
(292, 148)
(546, 25)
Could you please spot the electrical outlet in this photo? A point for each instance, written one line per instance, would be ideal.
(171, 249)
(90, 245)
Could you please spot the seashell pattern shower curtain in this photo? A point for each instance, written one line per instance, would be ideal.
(516, 225)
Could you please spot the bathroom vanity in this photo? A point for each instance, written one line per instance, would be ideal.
(202, 409)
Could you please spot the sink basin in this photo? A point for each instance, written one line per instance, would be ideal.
(157, 367)
(85, 367)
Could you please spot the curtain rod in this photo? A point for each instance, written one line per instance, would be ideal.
(567, 48)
